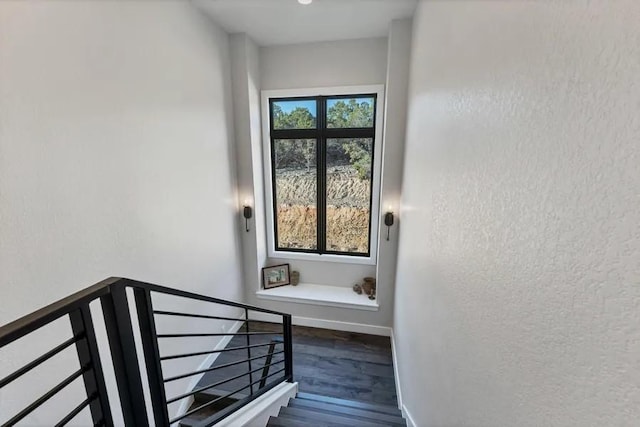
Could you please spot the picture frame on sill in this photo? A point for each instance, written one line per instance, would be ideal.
(274, 276)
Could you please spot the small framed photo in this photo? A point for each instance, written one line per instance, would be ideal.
(275, 276)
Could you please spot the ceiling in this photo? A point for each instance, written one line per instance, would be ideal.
(274, 22)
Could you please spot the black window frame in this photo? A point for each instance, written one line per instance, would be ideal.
(321, 133)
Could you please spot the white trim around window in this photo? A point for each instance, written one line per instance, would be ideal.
(375, 185)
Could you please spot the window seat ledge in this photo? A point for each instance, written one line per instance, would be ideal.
(310, 293)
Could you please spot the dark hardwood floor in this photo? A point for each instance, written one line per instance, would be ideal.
(332, 363)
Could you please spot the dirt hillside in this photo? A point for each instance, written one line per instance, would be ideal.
(347, 209)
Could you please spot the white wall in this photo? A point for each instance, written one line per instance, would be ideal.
(324, 64)
(246, 103)
(115, 159)
(395, 120)
(518, 285)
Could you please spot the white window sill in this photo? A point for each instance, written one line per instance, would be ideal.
(308, 293)
(343, 259)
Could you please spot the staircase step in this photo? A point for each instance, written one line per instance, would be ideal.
(212, 394)
(316, 406)
(332, 419)
(373, 407)
(285, 421)
(297, 421)
(190, 421)
(204, 397)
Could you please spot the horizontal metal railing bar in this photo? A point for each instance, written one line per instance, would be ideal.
(48, 395)
(201, 353)
(223, 413)
(201, 316)
(210, 386)
(191, 295)
(29, 323)
(76, 410)
(29, 366)
(215, 368)
(213, 334)
(193, 411)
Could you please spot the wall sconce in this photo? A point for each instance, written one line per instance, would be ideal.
(247, 213)
(388, 221)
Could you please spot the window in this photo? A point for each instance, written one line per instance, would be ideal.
(323, 172)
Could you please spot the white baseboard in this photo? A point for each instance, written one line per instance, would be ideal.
(327, 324)
(186, 403)
(396, 373)
(407, 416)
(257, 413)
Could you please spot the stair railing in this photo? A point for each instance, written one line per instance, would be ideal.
(117, 318)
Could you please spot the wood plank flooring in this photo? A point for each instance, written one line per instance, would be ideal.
(332, 363)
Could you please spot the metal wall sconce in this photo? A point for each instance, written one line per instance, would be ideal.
(388, 221)
(247, 213)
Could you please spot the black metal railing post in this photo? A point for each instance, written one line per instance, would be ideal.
(117, 320)
(149, 337)
(87, 349)
(288, 347)
(267, 362)
(248, 340)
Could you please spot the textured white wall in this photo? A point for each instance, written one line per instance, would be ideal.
(518, 285)
(115, 156)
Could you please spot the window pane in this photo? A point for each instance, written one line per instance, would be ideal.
(297, 114)
(349, 164)
(296, 189)
(350, 112)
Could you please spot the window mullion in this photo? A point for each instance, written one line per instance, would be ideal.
(294, 133)
(350, 133)
(322, 176)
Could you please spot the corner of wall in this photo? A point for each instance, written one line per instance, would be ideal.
(248, 144)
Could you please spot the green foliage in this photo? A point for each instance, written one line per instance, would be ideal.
(294, 153)
(301, 153)
(350, 114)
(359, 151)
(299, 118)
